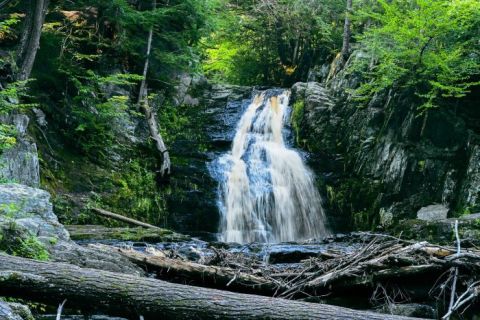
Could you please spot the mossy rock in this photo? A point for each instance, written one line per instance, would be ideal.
(441, 231)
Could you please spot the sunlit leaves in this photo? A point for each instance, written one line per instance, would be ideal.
(429, 45)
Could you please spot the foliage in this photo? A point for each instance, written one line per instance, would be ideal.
(272, 42)
(16, 241)
(136, 192)
(94, 39)
(94, 112)
(297, 118)
(428, 45)
(7, 30)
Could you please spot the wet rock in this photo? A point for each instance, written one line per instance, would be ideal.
(98, 233)
(433, 212)
(20, 163)
(291, 254)
(192, 204)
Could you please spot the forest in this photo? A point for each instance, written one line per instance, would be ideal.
(239, 159)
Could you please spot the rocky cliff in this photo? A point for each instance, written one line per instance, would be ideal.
(382, 160)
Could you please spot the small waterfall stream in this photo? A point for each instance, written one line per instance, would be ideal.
(266, 192)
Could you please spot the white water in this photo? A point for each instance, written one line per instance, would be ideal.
(268, 194)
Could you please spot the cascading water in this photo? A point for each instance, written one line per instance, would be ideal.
(266, 192)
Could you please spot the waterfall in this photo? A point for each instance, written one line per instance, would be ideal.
(267, 194)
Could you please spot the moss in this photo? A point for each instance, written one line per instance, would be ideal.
(421, 165)
(357, 200)
(297, 119)
(18, 242)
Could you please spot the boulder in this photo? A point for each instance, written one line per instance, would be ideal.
(6, 312)
(27, 212)
(21, 310)
(433, 212)
(30, 209)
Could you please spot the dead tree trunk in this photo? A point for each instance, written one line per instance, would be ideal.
(198, 274)
(30, 40)
(150, 115)
(131, 296)
(347, 32)
(118, 217)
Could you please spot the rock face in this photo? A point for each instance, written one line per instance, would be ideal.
(192, 204)
(382, 157)
(20, 163)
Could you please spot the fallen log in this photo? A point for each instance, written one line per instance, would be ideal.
(118, 217)
(132, 296)
(98, 232)
(198, 274)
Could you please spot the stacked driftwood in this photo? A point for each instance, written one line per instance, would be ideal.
(385, 270)
(382, 270)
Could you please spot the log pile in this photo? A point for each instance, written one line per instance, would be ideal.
(383, 272)
(140, 297)
(385, 269)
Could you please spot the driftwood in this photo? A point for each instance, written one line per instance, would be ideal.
(383, 262)
(118, 217)
(132, 296)
(198, 274)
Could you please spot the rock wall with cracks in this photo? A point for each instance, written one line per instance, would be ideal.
(382, 160)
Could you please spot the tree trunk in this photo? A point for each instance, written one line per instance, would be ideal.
(347, 32)
(148, 112)
(131, 296)
(30, 40)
